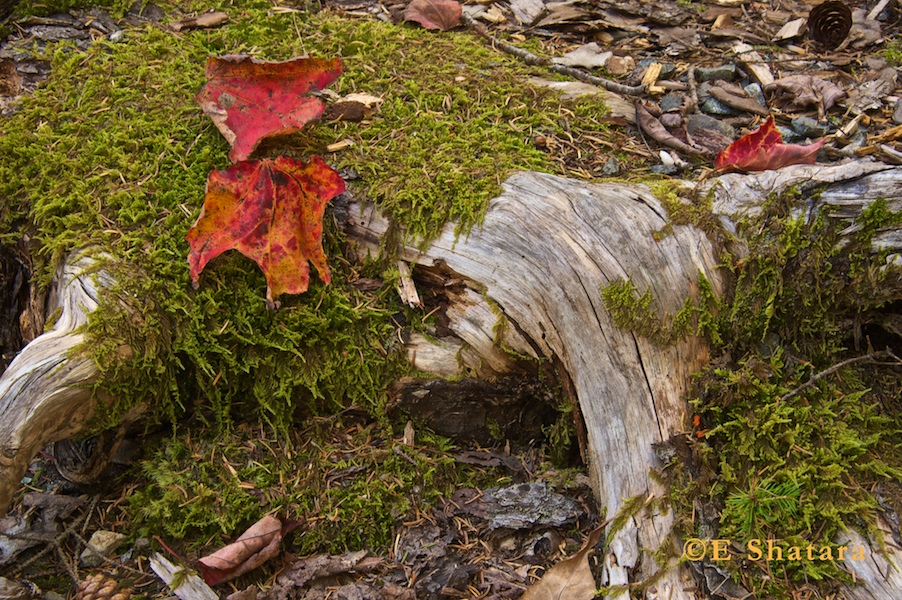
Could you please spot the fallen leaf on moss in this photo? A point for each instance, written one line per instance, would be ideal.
(434, 14)
(250, 100)
(571, 578)
(253, 548)
(763, 149)
(272, 212)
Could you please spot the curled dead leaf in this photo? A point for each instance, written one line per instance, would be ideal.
(797, 92)
(571, 578)
(254, 547)
(434, 14)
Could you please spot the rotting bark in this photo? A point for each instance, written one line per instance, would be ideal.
(526, 282)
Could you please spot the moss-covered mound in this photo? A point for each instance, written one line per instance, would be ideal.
(112, 152)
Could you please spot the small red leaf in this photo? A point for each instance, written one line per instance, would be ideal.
(272, 212)
(434, 14)
(763, 149)
(249, 99)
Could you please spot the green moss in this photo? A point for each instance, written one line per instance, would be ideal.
(112, 152)
(348, 483)
(778, 460)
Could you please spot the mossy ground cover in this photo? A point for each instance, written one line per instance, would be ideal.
(112, 154)
(772, 456)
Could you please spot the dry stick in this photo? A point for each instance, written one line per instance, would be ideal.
(815, 378)
(532, 59)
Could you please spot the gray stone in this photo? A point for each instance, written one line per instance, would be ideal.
(664, 169)
(611, 168)
(808, 127)
(754, 90)
(696, 122)
(670, 102)
(101, 545)
(721, 73)
(713, 106)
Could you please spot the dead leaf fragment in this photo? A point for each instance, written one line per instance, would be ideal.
(763, 149)
(735, 97)
(571, 578)
(434, 14)
(204, 21)
(271, 211)
(797, 92)
(254, 547)
(249, 99)
(588, 55)
(653, 127)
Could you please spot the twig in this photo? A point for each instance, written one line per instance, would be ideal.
(815, 378)
(535, 60)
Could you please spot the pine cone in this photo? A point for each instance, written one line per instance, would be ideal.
(829, 23)
(101, 587)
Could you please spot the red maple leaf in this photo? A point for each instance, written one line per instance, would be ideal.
(764, 149)
(249, 99)
(272, 212)
(434, 14)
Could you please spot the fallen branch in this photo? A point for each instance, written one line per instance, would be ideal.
(535, 60)
(827, 372)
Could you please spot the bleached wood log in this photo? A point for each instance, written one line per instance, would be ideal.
(44, 393)
(544, 252)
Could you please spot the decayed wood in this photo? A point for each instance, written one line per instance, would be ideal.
(544, 251)
(543, 254)
(44, 393)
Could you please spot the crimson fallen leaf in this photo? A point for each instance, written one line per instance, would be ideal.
(250, 100)
(272, 212)
(763, 149)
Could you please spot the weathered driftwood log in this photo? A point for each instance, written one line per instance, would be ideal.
(545, 250)
(537, 265)
(45, 392)
(539, 260)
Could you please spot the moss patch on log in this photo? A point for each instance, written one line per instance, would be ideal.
(784, 444)
(112, 152)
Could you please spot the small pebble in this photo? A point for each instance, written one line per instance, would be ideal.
(754, 90)
(116, 36)
(790, 136)
(671, 102)
(696, 122)
(713, 106)
(611, 168)
(664, 169)
(721, 73)
(105, 543)
(808, 127)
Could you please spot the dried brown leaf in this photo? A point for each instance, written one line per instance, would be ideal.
(570, 579)
(659, 133)
(434, 14)
(254, 547)
(798, 92)
(736, 97)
